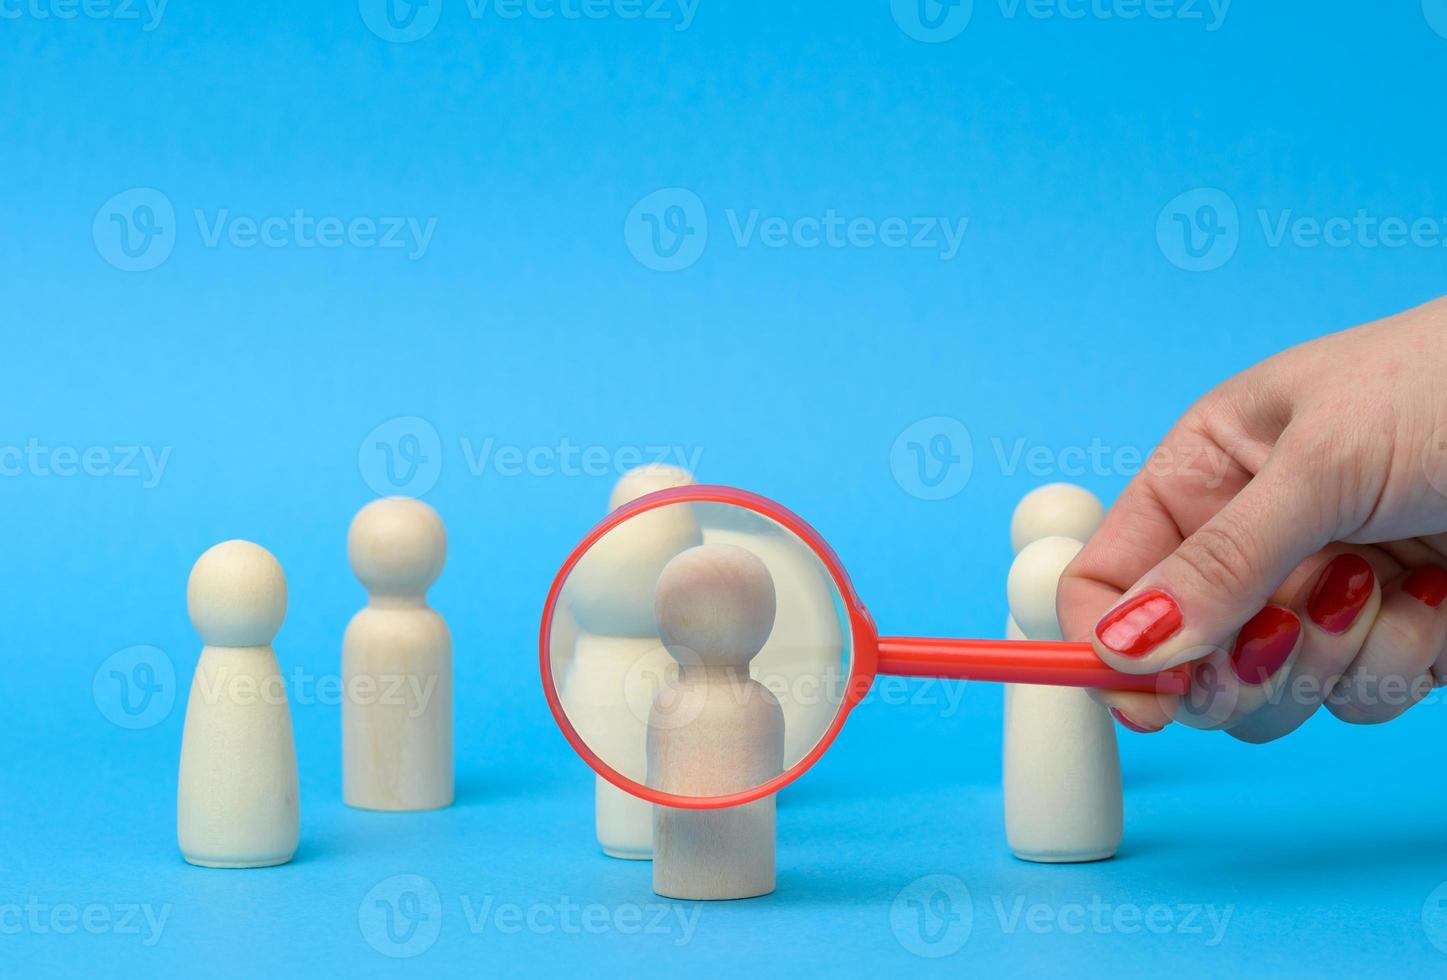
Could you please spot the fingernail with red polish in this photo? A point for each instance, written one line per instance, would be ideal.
(1341, 593)
(1427, 584)
(1124, 721)
(1140, 624)
(1264, 644)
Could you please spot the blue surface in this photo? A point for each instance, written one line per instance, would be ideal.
(540, 311)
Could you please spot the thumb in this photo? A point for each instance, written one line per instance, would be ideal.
(1195, 600)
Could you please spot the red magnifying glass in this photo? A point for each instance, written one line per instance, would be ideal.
(611, 679)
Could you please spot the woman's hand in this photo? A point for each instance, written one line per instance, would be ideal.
(1290, 536)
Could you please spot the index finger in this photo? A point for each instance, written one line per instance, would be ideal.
(1189, 479)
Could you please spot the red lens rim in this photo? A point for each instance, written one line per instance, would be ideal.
(865, 640)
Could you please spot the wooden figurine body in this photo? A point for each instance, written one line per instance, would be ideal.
(602, 667)
(618, 662)
(237, 797)
(397, 738)
(1061, 769)
(716, 731)
(804, 650)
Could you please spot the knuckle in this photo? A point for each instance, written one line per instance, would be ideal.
(1412, 643)
(1341, 460)
(1219, 558)
(1364, 697)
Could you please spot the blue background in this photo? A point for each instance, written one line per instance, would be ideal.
(535, 316)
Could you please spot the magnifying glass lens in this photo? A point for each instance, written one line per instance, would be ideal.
(700, 649)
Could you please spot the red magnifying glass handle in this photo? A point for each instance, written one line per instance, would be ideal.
(1019, 662)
